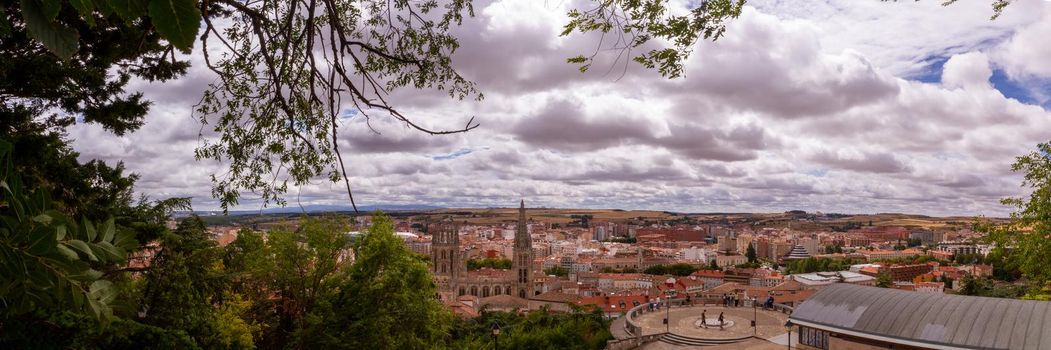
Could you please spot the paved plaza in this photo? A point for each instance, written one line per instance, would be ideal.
(684, 321)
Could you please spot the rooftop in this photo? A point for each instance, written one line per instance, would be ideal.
(936, 321)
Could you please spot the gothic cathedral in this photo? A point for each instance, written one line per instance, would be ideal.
(449, 265)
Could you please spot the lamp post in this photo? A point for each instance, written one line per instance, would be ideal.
(755, 317)
(496, 335)
(788, 327)
(667, 315)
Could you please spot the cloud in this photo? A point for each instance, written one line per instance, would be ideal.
(1025, 54)
(968, 70)
(565, 125)
(802, 105)
(863, 162)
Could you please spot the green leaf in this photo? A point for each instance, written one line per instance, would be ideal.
(86, 10)
(129, 10)
(43, 219)
(177, 21)
(5, 27)
(42, 241)
(89, 229)
(83, 248)
(50, 7)
(58, 38)
(86, 276)
(69, 253)
(107, 230)
(125, 240)
(100, 296)
(106, 251)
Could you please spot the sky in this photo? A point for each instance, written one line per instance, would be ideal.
(854, 106)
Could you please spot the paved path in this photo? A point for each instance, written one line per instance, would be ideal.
(617, 328)
(753, 344)
(683, 322)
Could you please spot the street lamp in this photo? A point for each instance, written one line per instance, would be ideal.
(496, 335)
(667, 315)
(755, 317)
(788, 327)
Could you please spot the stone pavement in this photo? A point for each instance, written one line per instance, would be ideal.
(753, 344)
(684, 320)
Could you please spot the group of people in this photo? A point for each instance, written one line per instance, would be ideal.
(704, 319)
(735, 300)
(732, 299)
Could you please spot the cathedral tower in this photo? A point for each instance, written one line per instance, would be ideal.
(447, 259)
(522, 263)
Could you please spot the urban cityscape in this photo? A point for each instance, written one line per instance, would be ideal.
(639, 268)
(523, 174)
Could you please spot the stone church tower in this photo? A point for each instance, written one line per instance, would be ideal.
(448, 263)
(522, 263)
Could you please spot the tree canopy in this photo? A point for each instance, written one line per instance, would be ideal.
(1025, 241)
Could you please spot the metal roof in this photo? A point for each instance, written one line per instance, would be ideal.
(938, 321)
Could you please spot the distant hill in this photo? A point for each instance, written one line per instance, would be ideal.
(317, 208)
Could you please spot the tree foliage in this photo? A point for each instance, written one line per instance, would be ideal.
(388, 300)
(812, 264)
(883, 280)
(48, 260)
(556, 271)
(751, 255)
(538, 329)
(493, 263)
(1026, 239)
(292, 72)
(680, 269)
(633, 24)
(183, 283)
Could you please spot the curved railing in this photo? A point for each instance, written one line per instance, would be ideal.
(635, 330)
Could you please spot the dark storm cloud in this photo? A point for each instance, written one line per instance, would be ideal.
(700, 142)
(870, 162)
(563, 125)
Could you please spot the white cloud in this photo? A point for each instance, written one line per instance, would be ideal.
(968, 70)
(802, 105)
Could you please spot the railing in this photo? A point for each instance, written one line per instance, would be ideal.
(632, 343)
(633, 328)
(782, 308)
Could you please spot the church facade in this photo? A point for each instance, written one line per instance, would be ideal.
(449, 266)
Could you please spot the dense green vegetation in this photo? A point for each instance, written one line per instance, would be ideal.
(673, 269)
(493, 263)
(811, 264)
(1025, 242)
(556, 271)
(538, 329)
(287, 289)
(989, 288)
(615, 270)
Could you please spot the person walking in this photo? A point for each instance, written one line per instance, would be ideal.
(720, 320)
(704, 318)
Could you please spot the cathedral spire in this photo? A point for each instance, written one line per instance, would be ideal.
(523, 256)
(522, 230)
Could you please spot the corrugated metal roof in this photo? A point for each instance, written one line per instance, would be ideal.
(940, 320)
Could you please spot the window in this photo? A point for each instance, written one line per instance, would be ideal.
(813, 337)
